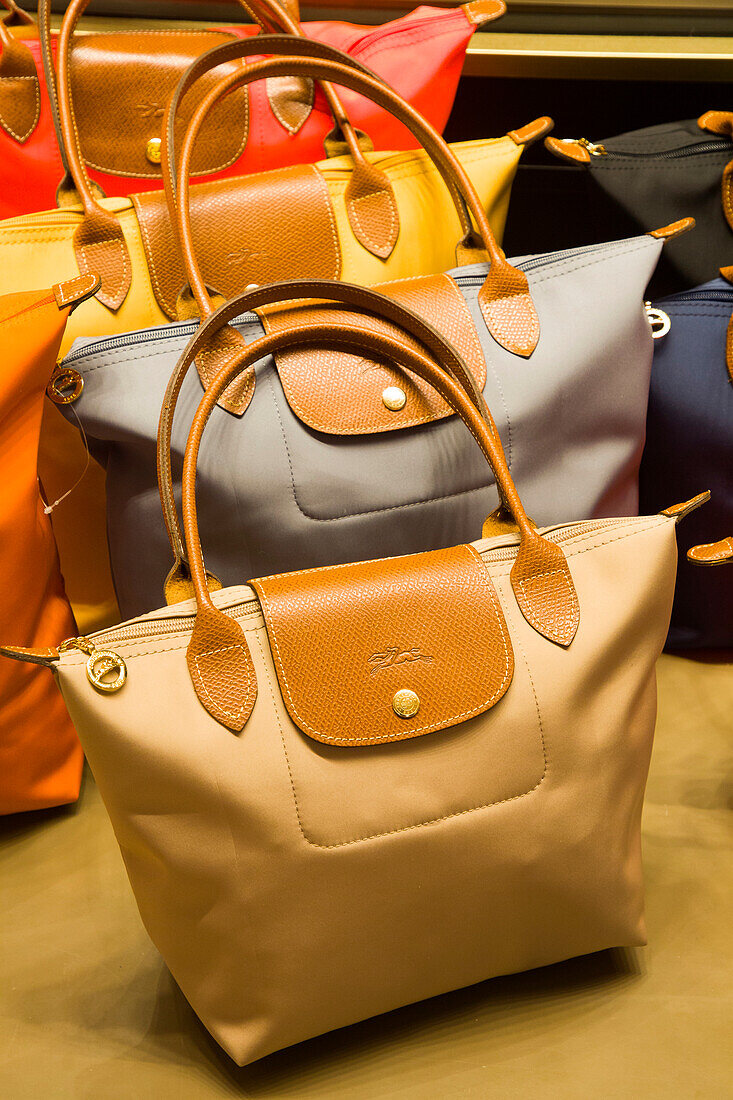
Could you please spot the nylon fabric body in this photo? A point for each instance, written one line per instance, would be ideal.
(509, 841)
(689, 447)
(572, 415)
(438, 37)
(653, 189)
(40, 755)
(36, 247)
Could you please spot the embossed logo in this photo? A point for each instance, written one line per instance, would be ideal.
(395, 656)
(150, 110)
(247, 256)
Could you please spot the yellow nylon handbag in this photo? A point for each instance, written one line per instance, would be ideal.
(131, 243)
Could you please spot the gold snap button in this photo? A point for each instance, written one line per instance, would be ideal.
(154, 150)
(394, 398)
(406, 703)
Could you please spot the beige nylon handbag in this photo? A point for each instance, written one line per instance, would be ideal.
(347, 789)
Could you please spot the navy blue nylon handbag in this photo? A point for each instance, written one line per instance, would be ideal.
(689, 448)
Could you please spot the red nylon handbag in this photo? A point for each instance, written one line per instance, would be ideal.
(122, 82)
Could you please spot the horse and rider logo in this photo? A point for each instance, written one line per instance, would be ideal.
(396, 656)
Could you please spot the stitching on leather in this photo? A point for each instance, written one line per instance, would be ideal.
(569, 618)
(120, 281)
(360, 226)
(331, 222)
(418, 824)
(278, 114)
(6, 125)
(74, 288)
(214, 705)
(401, 736)
(168, 308)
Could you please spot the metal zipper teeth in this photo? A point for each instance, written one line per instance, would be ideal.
(673, 154)
(187, 328)
(698, 296)
(175, 625)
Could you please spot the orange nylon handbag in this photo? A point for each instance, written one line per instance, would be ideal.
(40, 755)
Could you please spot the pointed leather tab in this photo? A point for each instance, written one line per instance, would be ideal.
(509, 311)
(224, 348)
(545, 592)
(679, 511)
(100, 247)
(221, 669)
(46, 657)
(291, 100)
(20, 94)
(372, 210)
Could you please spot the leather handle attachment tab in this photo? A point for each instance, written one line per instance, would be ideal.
(20, 92)
(219, 660)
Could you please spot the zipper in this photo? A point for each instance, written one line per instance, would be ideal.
(668, 154)
(103, 662)
(702, 295)
(187, 328)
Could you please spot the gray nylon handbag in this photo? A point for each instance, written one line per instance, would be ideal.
(280, 495)
(345, 458)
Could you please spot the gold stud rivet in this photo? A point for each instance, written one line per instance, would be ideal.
(394, 398)
(154, 150)
(406, 703)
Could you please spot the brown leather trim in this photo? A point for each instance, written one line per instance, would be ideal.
(220, 665)
(73, 292)
(544, 589)
(144, 67)
(20, 94)
(717, 122)
(245, 230)
(567, 150)
(430, 624)
(712, 553)
(679, 511)
(341, 394)
(533, 131)
(100, 247)
(291, 99)
(675, 229)
(508, 309)
(46, 657)
(372, 210)
(479, 12)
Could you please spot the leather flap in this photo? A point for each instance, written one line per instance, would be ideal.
(121, 84)
(248, 230)
(386, 650)
(342, 394)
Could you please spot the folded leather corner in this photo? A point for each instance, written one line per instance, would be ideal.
(73, 292)
(224, 349)
(717, 122)
(712, 553)
(679, 511)
(675, 229)
(372, 211)
(479, 12)
(533, 131)
(46, 657)
(567, 150)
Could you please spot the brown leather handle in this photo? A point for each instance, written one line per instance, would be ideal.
(15, 15)
(218, 657)
(363, 299)
(377, 227)
(99, 242)
(504, 299)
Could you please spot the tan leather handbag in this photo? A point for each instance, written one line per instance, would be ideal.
(342, 790)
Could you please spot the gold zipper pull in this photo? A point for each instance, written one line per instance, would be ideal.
(594, 148)
(65, 386)
(659, 320)
(101, 663)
